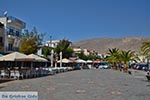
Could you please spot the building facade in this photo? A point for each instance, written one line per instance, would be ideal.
(1, 37)
(52, 43)
(10, 33)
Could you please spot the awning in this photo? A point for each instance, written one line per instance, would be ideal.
(80, 61)
(37, 58)
(16, 56)
(65, 60)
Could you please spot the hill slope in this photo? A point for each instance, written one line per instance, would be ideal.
(102, 45)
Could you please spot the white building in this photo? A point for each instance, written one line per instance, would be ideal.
(10, 34)
(86, 52)
(77, 50)
(52, 43)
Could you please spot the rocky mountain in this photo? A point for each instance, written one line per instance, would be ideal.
(102, 45)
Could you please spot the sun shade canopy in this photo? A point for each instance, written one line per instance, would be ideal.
(65, 60)
(16, 56)
(37, 58)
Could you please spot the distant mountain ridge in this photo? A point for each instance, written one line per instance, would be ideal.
(102, 45)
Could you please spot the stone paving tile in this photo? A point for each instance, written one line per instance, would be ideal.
(85, 85)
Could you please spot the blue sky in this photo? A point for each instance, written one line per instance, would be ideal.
(82, 19)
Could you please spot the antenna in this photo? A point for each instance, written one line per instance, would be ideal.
(5, 13)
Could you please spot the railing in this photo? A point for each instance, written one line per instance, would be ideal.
(13, 34)
(7, 49)
(16, 20)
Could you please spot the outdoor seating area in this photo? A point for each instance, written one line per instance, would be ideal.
(16, 66)
(38, 72)
(20, 66)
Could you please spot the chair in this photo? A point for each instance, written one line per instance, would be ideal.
(4, 74)
(18, 75)
(38, 72)
(28, 74)
(33, 73)
(12, 74)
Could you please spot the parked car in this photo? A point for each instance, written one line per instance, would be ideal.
(77, 67)
(142, 66)
(103, 65)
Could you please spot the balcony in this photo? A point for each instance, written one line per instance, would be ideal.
(10, 35)
(11, 49)
(13, 35)
(16, 22)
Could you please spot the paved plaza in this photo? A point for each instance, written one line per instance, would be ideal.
(95, 84)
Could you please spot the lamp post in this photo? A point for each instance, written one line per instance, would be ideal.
(60, 54)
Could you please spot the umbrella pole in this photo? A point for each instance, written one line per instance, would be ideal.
(60, 59)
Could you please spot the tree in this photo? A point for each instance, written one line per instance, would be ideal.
(82, 56)
(68, 52)
(127, 56)
(88, 57)
(28, 46)
(113, 51)
(47, 51)
(64, 46)
(30, 41)
(114, 57)
(146, 49)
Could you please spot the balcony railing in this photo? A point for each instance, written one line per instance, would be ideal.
(8, 49)
(13, 34)
(13, 19)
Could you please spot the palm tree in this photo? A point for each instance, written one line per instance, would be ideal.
(47, 51)
(113, 57)
(127, 56)
(146, 51)
(113, 51)
(116, 57)
(146, 48)
(64, 46)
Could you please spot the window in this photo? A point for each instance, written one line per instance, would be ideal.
(11, 31)
(17, 33)
(1, 39)
(10, 47)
